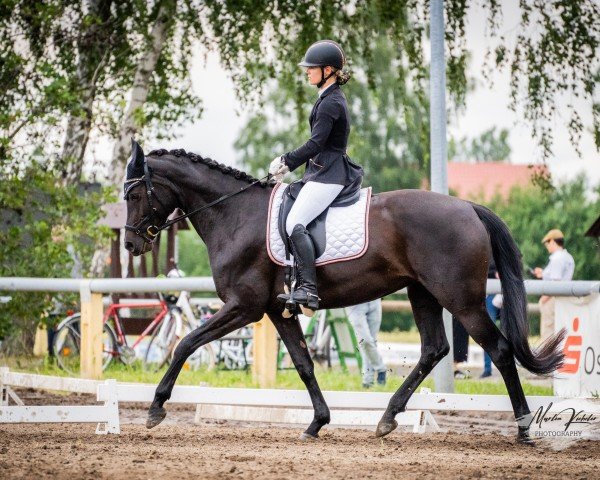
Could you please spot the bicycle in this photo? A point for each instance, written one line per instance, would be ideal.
(233, 351)
(204, 356)
(164, 330)
(319, 338)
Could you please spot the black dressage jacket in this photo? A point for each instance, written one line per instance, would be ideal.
(325, 152)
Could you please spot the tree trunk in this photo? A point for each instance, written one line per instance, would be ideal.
(92, 47)
(139, 93)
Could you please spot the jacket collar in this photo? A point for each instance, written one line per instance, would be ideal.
(328, 90)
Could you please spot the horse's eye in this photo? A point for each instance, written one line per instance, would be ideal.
(134, 196)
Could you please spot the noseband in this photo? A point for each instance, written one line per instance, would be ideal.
(152, 231)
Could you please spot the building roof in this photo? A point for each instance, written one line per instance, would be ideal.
(484, 180)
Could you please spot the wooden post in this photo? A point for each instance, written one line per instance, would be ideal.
(264, 367)
(40, 344)
(91, 333)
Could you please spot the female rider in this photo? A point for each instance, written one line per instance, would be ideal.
(329, 171)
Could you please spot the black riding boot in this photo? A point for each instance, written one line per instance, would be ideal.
(303, 249)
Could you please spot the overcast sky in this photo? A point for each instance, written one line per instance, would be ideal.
(216, 132)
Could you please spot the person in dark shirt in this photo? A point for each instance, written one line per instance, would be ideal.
(492, 305)
(329, 171)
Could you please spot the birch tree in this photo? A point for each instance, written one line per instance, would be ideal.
(130, 124)
(92, 54)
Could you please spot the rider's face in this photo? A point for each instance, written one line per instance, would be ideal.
(314, 74)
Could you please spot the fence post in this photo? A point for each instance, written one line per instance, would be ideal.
(264, 366)
(91, 332)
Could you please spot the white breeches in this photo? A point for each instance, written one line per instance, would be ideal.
(312, 200)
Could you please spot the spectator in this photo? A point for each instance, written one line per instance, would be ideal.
(492, 305)
(460, 343)
(366, 320)
(560, 267)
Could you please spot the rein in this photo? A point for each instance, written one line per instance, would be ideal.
(152, 231)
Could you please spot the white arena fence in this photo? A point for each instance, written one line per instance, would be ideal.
(358, 409)
(91, 291)
(286, 406)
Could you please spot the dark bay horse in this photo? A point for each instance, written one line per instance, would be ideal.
(435, 245)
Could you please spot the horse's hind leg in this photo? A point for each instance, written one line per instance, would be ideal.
(291, 334)
(434, 346)
(477, 322)
(229, 318)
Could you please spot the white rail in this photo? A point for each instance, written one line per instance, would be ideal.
(91, 291)
(269, 405)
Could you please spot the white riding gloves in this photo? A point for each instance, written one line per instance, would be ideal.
(278, 168)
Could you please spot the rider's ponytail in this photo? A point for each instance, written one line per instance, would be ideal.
(342, 76)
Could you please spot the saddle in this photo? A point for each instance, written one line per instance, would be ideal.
(316, 228)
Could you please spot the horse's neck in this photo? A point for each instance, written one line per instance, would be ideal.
(219, 224)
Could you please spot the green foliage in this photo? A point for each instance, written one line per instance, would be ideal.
(554, 56)
(59, 54)
(329, 379)
(531, 212)
(193, 256)
(488, 147)
(390, 123)
(46, 230)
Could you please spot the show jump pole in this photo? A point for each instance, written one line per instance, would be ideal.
(442, 374)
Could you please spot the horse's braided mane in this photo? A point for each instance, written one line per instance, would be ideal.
(209, 162)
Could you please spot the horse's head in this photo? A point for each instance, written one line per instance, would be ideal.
(149, 202)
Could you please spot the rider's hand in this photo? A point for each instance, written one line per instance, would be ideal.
(278, 168)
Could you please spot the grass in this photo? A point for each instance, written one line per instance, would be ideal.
(333, 379)
(412, 336)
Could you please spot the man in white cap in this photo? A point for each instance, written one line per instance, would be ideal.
(560, 267)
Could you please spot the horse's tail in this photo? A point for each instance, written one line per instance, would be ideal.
(513, 315)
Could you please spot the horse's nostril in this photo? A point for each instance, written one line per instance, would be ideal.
(129, 246)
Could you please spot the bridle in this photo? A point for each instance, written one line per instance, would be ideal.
(152, 231)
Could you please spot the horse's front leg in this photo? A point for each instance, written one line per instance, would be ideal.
(231, 317)
(291, 334)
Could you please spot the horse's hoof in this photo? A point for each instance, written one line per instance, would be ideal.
(155, 416)
(307, 437)
(286, 313)
(309, 312)
(383, 428)
(525, 440)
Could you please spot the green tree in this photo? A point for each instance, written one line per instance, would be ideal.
(79, 61)
(487, 147)
(531, 212)
(37, 241)
(554, 55)
(390, 124)
(193, 256)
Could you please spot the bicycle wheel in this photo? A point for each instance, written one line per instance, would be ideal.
(67, 344)
(203, 358)
(162, 342)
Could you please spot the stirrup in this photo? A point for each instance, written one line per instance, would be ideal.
(312, 300)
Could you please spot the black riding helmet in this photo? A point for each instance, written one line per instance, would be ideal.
(324, 53)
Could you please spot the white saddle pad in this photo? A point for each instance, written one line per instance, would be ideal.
(347, 230)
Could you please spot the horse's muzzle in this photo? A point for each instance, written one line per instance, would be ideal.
(135, 251)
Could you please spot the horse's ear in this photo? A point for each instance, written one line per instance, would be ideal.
(135, 168)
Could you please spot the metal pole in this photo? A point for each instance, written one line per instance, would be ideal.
(442, 374)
